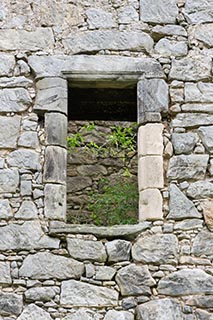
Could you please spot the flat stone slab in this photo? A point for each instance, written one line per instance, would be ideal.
(5, 275)
(41, 293)
(79, 294)
(45, 265)
(192, 120)
(118, 231)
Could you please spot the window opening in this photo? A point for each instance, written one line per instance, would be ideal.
(102, 159)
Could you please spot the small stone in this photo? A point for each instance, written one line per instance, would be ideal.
(207, 206)
(28, 139)
(168, 30)
(200, 189)
(104, 273)
(9, 131)
(5, 276)
(184, 142)
(127, 15)
(34, 312)
(10, 303)
(168, 48)
(27, 211)
(5, 209)
(160, 12)
(7, 64)
(121, 315)
(203, 244)
(118, 250)
(40, 294)
(206, 135)
(9, 180)
(129, 303)
(26, 188)
(98, 18)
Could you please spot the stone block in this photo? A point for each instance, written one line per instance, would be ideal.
(188, 224)
(191, 68)
(24, 159)
(55, 165)
(192, 120)
(28, 139)
(134, 280)
(197, 107)
(206, 135)
(147, 117)
(91, 41)
(188, 167)
(155, 249)
(79, 294)
(200, 92)
(118, 250)
(127, 15)
(26, 187)
(33, 312)
(9, 180)
(198, 11)
(19, 39)
(184, 142)
(160, 12)
(203, 33)
(7, 64)
(27, 211)
(104, 273)
(45, 265)
(55, 202)
(10, 303)
(99, 18)
(150, 172)
(207, 207)
(5, 209)
(40, 293)
(14, 82)
(203, 244)
(150, 205)
(168, 48)
(5, 276)
(56, 129)
(200, 190)
(86, 250)
(9, 131)
(121, 315)
(78, 183)
(150, 140)
(168, 30)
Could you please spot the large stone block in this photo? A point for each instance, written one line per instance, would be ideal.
(34, 312)
(7, 64)
(134, 280)
(162, 309)
(150, 205)
(162, 11)
(198, 11)
(168, 48)
(180, 207)
(203, 244)
(188, 167)
(56, 129)
(5, 209)
(27, 236)
(199, 92)
(5, 276)
(86, 250)
(186, 282)
(12, 39)
(90, 41)
(24, 159)
(55, 202)
(184, 142)
(155, 249)
(9, 131)
(203, 33)
(191, 68)
(150, 140)
(10, 304)
(79, 294)
(99, 18)
(55, 164)
(200, 190)
(28, 139)
(45, 265)
(206, 135)
(192, 120)
(150, 172)
(9, 180)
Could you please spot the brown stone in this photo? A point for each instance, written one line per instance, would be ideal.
(207, 207)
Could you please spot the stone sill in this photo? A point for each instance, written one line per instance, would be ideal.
(128, 232)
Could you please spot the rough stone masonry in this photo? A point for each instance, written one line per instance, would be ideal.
(160, 268)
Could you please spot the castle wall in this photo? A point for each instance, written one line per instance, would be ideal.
(160, 268)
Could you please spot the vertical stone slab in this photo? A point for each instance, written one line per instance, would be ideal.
(55, 165)
(150, 205)
(150, 139)
(56, 128)
(55, 202)
(150, 172)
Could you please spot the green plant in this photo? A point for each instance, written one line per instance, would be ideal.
(114, 204)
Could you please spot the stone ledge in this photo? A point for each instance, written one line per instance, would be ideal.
(118, 231)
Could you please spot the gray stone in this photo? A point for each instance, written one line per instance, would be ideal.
(10, 303)
(186, 282)
(83, 314)
(45, 265)
(90, 41)
(129, 232)
(118, 250)
(203, 33)
(134, 280)
(27, 211)
(104, 273)
(29, 236)
(28, 139)
(56, 129)
(9, 131)
(14, 100)
(155, 249)
(188, 167)
(196, 107)
(79, 294)
(55, 202)
(200, 189)
(26, 187)
(204, 302)
(5, 276)
(203, 244)
(158, 12)
(206, 135)
(191, 68)
(9, 180)
(78, 183)
(198, 11)
(11, 39)
(188, 224)
(192, 120)
(127, 15)
(98, 18)
(14, 82)
(168, 30)
(92, 170)
(51, 95)
(199, 92)
(24, 159)
(40, 293)
(86, 250)
(168, 48)
(55, 165)
(121, 315)
(162, 309)
(34, 312)
(7, 64)
(184, 142)
(5, 209)
(53, 66)
(203, 315)
(180, 207)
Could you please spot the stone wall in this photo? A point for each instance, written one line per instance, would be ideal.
(158, 269)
